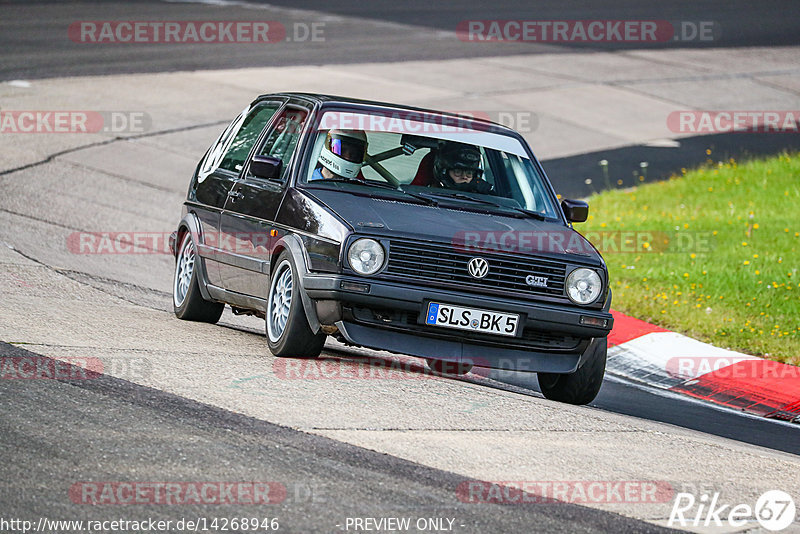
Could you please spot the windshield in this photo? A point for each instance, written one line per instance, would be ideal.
(438, 163)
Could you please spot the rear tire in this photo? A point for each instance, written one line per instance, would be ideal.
(187, 301)
(288, 332)
(582, 386)
(442, 367)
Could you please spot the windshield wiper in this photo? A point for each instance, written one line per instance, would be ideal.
(427, 200)
(356, 181)
(461, 196)
(529, 213)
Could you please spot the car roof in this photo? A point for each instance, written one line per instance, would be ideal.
(333, 100)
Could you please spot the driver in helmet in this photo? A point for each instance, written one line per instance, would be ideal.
(458, 166)
(342, 156)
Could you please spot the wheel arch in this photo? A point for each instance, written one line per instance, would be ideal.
(191, 224)
(294, 246)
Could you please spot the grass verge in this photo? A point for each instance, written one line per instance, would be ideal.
(713, 254)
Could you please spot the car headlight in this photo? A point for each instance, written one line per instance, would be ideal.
(366, 256)
(584, 286)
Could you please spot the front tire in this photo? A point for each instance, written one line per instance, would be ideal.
(187, 301)
(288, 332)
(582, 386)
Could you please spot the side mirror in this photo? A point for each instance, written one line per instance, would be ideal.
(266, 167)
(575, 210)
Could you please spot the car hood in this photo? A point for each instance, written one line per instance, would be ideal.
(471, 230)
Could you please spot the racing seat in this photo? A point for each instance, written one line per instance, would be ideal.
(424, 174)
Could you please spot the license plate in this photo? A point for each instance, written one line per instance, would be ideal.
(484, 321)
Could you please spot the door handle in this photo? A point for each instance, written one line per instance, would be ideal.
(235, 195)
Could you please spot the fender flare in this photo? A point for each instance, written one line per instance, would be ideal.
(190, 223)
(607, 306)
(584, 356)
(294, 245)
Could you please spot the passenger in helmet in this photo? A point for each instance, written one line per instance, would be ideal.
(342, 156)
(458, 166)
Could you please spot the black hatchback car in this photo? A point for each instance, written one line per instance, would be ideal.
(395, 228)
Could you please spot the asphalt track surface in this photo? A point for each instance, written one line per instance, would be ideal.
(159, 437)
(59, 430)
(35, 43)
(622, 397)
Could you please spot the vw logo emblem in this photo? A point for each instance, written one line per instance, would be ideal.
(478, 267)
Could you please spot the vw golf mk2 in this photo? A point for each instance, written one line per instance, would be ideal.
(395, 228)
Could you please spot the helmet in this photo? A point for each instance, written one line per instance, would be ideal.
(344, 152)
(453, 155)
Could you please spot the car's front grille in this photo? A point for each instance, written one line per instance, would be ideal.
(435, 263)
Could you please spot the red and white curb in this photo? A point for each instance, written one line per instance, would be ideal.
(642, 352)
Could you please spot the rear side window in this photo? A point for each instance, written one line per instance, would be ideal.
(240, 145)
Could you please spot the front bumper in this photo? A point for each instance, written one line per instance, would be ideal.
(386, 316)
